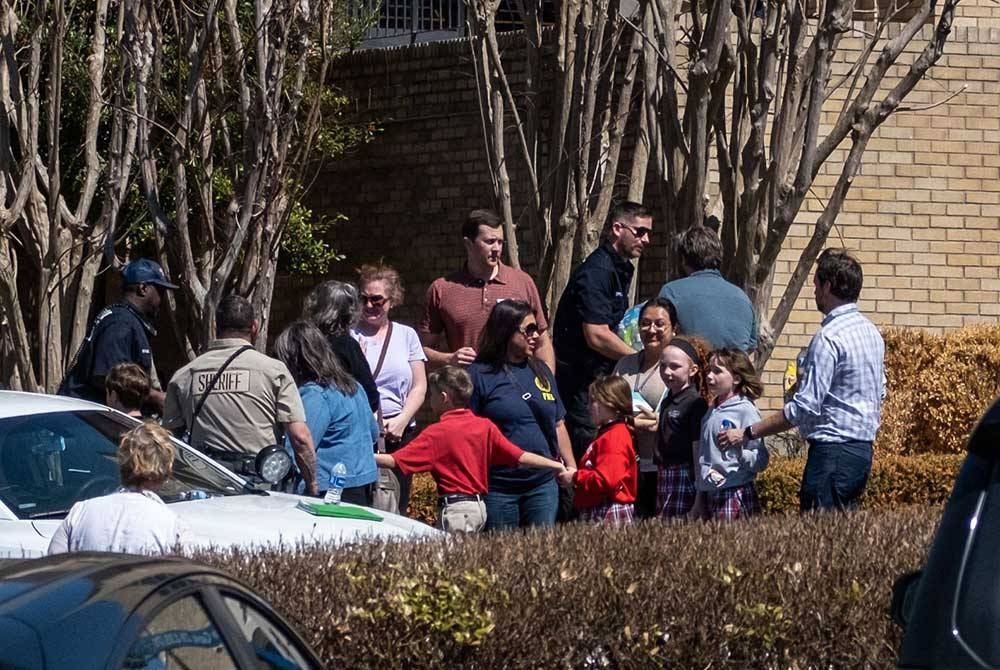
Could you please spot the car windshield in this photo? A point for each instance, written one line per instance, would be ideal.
(50, 461)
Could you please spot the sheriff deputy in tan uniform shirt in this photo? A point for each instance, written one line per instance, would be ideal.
(253, 395)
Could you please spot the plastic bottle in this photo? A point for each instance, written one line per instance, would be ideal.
(338, 480)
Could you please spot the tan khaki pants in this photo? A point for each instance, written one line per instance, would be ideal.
(468, 516)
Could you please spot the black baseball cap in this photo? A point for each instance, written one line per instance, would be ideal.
(145, 271)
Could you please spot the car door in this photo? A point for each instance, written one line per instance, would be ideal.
(954, 611)
(180, 634)
(208, 622)
(272, 643)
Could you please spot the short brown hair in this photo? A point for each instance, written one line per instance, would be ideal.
(613, 392)
(454, 381)
(385, 274)
(130, 383)
(700, 248)
(146, 456)
(480, 217)
(739, 365)
(627, 210)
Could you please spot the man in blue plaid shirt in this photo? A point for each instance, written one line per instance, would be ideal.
(838, 404)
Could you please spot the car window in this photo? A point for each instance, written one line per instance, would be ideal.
(178, 637)
(50, 461)
(272, 648)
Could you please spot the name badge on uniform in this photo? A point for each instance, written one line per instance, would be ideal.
(230, 381)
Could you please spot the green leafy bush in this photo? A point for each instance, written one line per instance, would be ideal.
(896, 480)
(799, 591)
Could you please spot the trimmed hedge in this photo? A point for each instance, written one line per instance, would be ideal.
(938, 386)
(799, 591)
(895, 481)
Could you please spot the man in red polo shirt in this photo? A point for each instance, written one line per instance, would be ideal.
(458, 304)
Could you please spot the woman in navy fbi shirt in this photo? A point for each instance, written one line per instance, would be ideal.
(518, 393)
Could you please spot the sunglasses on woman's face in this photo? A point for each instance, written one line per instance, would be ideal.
(373, 300)
(530, 330)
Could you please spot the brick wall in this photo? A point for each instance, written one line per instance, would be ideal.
(922, 215)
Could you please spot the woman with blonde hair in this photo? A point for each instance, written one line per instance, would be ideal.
(132, 520)
(395, 357)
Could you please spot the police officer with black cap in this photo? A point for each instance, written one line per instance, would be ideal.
(120, 334)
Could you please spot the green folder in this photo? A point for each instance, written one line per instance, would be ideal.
(340, 511)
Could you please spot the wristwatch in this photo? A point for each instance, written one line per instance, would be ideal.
(748, 433)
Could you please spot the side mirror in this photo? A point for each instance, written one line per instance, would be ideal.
(904, 590)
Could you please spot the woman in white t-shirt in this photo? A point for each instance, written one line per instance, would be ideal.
(133, 520)
(656, 323)
(395, 357)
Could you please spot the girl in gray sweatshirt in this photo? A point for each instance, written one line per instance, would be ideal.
(725, 477)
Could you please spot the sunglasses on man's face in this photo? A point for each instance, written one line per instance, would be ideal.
(639, 232)
(530, 330)
(373, 300)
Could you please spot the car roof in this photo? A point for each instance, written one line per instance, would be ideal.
(19, 403)
(90, 576)
(69, 609)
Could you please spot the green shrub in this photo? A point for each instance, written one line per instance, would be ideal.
(895, 481)
(798, 591)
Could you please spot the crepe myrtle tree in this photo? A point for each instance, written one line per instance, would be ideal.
(202, 117)
(736, 99)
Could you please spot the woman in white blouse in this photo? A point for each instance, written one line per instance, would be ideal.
(133, 520)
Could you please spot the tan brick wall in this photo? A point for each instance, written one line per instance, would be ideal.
(922, 215)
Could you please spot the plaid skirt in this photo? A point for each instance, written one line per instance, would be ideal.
(738, 502)
(675, 492)
(612, 513)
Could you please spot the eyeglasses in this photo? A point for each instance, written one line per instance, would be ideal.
(373, 300)
(639, 232)
(530, 330)
(659, 324)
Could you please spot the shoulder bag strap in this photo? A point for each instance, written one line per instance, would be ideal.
(380, 444)
(211, 384)
(381, 356)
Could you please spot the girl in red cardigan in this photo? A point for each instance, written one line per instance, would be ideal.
(605, 485)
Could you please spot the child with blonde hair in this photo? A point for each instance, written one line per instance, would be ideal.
(680, 412)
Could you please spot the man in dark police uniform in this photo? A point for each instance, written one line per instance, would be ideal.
(593, 303)
(120, 334)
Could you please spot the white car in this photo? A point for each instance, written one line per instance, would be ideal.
(55, 451)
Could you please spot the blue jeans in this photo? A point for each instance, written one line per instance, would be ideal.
(835, 475)
(535, 507)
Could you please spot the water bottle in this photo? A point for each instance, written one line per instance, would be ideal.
(338, 480)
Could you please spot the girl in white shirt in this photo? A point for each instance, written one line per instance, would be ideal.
(133, 520)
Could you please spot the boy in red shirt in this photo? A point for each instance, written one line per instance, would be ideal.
(458, 451)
